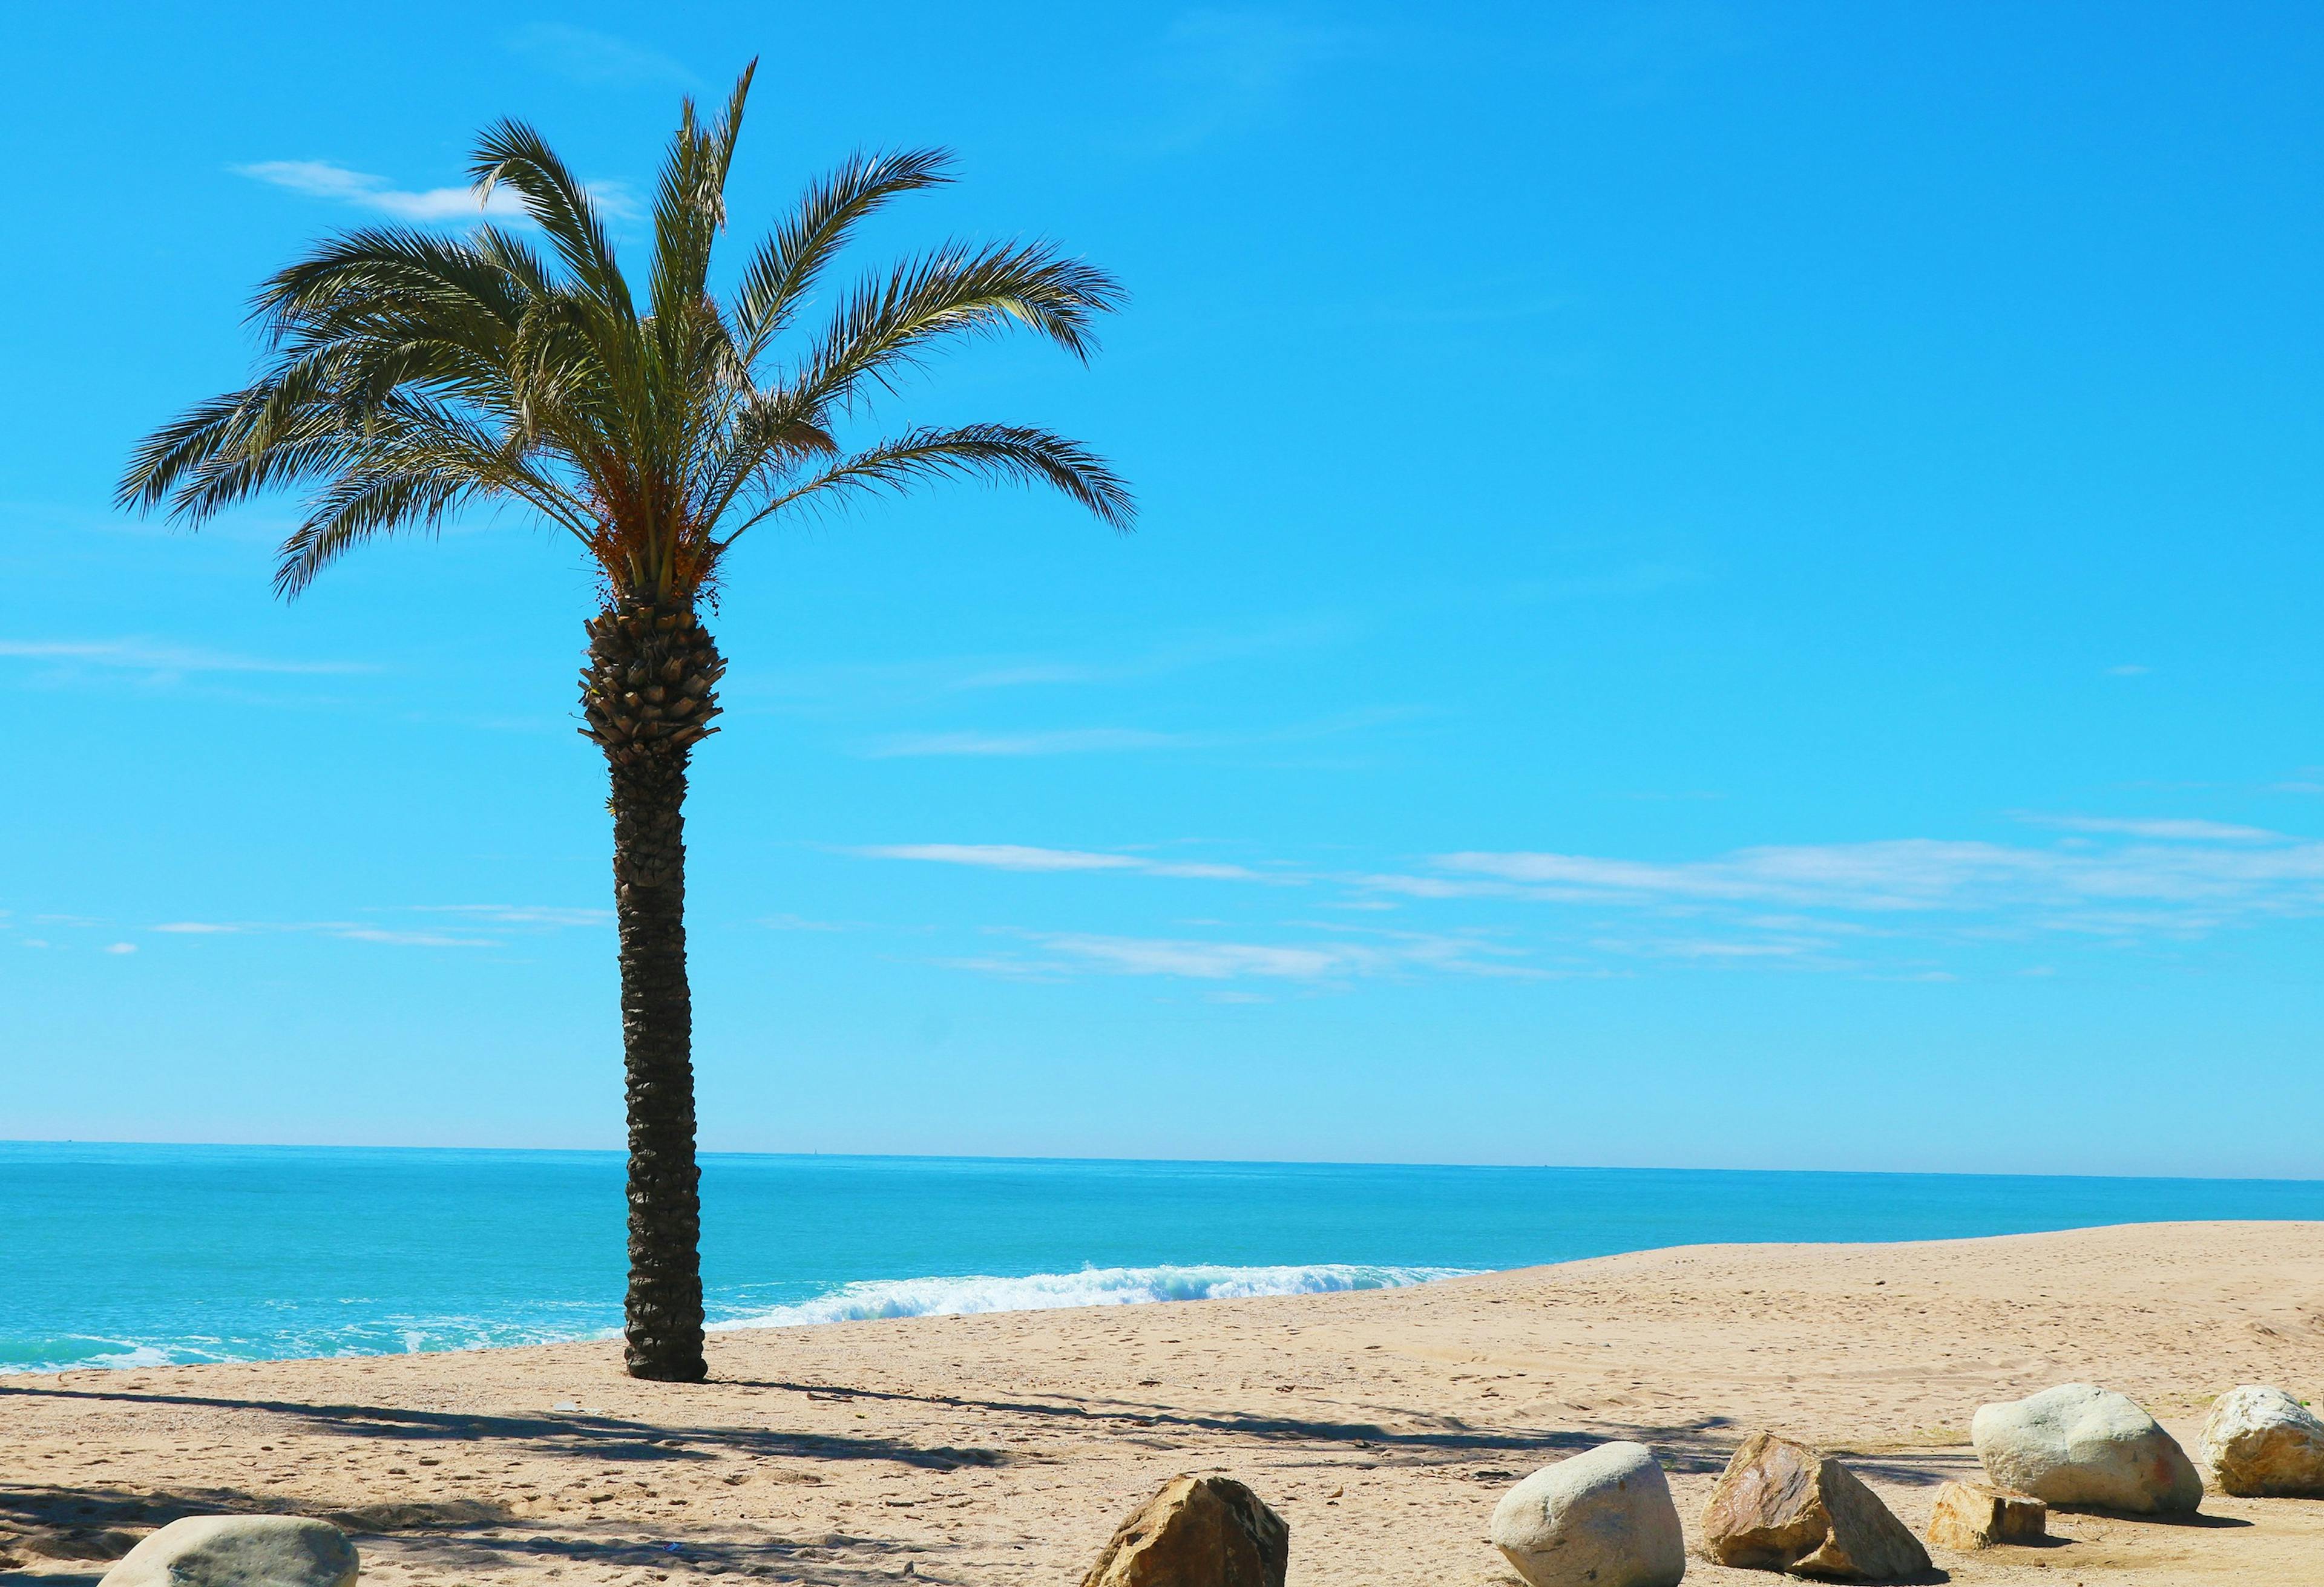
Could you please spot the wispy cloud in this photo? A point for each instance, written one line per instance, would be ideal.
(2168, 829)
(1888, 907)
(1231, 69)
(345, 930)
(319, 179)
(852, 689)
(1192, 959)
(1121, 740)
(519, 915)
(472, 925)
(322, 178)
(1003, 857)
(2163, 877)
(162, 659)
(585, 55)
(1016, 857)
(1061, 741)
(1644, 578)
(1160, 661)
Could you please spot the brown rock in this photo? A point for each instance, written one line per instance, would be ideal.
(1196, 1532)
(1780, 1506)
(1971, 1515)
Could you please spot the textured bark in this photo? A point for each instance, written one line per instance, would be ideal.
(647, 695)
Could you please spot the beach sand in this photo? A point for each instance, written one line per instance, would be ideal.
(1381, 1425)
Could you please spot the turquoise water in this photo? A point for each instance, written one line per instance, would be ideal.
(136, 1256)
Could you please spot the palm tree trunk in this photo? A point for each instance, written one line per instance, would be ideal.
(648, 697)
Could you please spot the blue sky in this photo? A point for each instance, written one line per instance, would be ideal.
(1718, 585)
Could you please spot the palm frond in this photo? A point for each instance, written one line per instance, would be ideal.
(891, 323)
(787, 264)
(362, 506)
(510, 152)
(1002, 454)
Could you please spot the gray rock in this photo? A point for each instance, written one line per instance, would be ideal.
(2080, 1444)
(239, 1551)
(2260, 1443)
(1603, 1517)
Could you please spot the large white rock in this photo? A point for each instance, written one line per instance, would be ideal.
(2260, 1443)
(2080, 1444)
(239, 1551)
(1603, 1517)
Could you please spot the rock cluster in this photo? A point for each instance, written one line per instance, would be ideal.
(1970, 1516)
(1196, 1532)
(2080, 1444)
(2260, 1443)
(1601, 1518)
(1780, 1506)
(239, 1551)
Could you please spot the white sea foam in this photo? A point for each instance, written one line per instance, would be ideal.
(952, 1296)
(886, 1297)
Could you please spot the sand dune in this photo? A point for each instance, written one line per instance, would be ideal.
(1382, 1424)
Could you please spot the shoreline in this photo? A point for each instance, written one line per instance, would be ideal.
(1004, 1447)
(1090, 1288)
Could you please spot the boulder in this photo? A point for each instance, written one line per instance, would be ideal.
(239, 1551)
(2260, 1443)
(2080, 1444)
(1971, 1515)
(1780, 1506)
(1196, 1532)
(1603, 1517)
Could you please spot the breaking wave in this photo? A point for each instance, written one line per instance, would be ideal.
(952, 1296)
(744, 1307)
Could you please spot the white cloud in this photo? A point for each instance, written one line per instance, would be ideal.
(2227, 872)
(585, 55)
(1104, 741)
(1061, 741)
(1005, 857)
(1232, 68)
(476, 925)
(529, 914)
(1211, 961)
(1015, 856)
(1314, 961)
(161, 658)
(2191, 831)
(1881, 907)
(345, 930)
(121, 947)
(320, 178)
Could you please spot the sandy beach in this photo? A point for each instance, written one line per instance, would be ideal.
(1381, 1425)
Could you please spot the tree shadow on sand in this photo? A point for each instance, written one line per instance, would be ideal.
(459, 1537)
(582, 1435)
(85, 1527)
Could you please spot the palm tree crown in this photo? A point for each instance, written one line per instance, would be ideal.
(411, 374)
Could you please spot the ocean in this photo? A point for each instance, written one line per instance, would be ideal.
(139, 1255)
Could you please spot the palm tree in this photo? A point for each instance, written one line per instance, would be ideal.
(409, 375)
